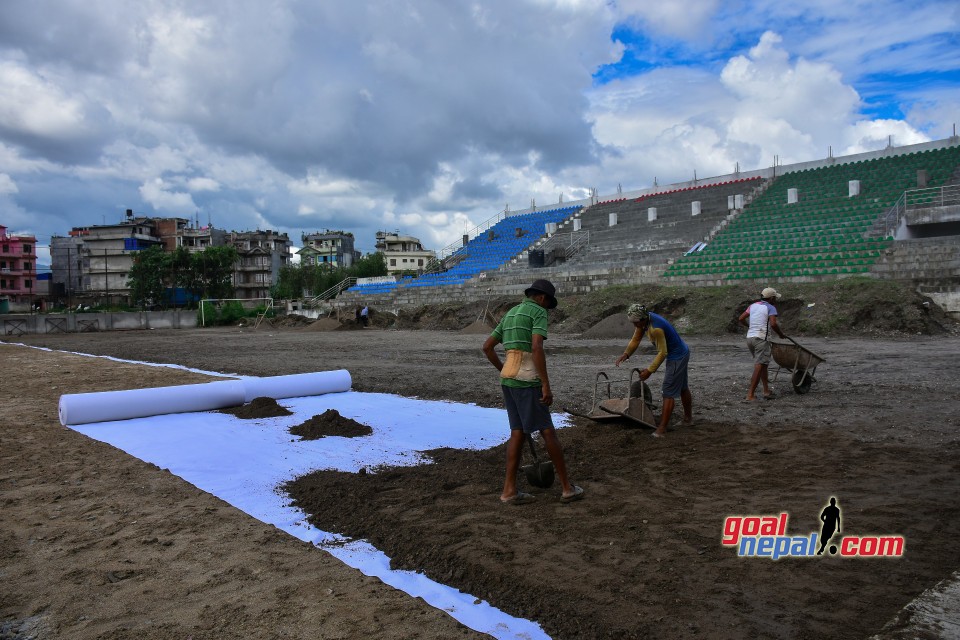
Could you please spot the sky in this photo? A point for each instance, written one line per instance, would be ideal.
(431, 117)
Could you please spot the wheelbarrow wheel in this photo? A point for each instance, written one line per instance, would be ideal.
(802, 381)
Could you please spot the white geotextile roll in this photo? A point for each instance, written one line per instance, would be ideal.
(298, 385)
(104, 406)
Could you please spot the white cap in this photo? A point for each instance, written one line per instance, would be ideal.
(770, 292)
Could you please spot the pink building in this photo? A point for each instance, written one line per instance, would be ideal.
(18, 267)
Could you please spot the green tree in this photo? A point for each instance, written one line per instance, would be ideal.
(149, 275)
(290, 283)
(294, 280)
(211, 272)
(181, 271)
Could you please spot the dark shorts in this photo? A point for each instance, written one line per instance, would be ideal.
(675, 377)
(524, 409)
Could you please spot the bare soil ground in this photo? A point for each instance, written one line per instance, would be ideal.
(96, 544)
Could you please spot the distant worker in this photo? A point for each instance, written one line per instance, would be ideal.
(670, 348)
(365, 315)
(359, 321)
(759, 318)
(526, 387)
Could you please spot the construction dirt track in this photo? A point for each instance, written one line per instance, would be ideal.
(96, 544)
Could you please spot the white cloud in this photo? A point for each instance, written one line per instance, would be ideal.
(869, 135)
(34, 106)
(203, 184)
(761, 105)
(683, 19)
(7, 184)
(157, 193)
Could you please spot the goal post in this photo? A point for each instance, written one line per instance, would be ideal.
(245, 306)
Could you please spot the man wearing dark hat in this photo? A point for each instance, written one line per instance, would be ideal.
(759, 318)
(526, 386)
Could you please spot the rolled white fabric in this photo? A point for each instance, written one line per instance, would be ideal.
(104, 406)
(297, 385)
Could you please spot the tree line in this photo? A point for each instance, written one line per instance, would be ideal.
(297, 281)
(156, 274)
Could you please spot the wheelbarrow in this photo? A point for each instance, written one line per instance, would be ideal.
(801, 362)
(637, 406)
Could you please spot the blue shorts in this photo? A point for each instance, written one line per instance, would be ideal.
(675, 377)
(524, 409)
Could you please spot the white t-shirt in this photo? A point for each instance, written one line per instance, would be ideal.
(760, 313)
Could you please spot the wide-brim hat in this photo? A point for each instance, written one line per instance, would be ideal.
(545, 287)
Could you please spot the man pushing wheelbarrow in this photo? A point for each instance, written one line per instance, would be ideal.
(760, 318)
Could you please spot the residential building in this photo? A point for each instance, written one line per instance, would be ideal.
(403, 253)
(68, 263)
(109, 250)
(331, 248)
(18, 266)
(261, 256)
(177, 232)
(94, 262)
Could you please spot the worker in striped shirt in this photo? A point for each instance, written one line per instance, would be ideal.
(526, 387)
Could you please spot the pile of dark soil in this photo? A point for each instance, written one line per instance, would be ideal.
(641, 555)
(289, 321)
(258, 408)
(330, 423)
(323, 324)
(851, 306)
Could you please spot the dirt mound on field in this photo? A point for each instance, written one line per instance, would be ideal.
(615, 326)
(852, 306)
(258, 408)
(323, 324)
(289, 321)
(477, 328)
(330, 423)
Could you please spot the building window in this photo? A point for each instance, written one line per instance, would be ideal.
(393, 262)
(27, 248)
(420, 262)
(28, 284)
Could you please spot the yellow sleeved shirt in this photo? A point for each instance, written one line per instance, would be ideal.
(657, 337)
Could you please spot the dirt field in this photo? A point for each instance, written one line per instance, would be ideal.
(95, 544)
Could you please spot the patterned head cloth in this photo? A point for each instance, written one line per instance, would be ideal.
(637, 313)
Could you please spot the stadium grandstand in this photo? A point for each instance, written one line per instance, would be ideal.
(893, 213)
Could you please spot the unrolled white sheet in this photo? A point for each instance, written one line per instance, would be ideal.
(107, 406)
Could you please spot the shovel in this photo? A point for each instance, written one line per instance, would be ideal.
(539, 474)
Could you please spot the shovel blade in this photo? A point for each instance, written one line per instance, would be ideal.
(539, 474)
